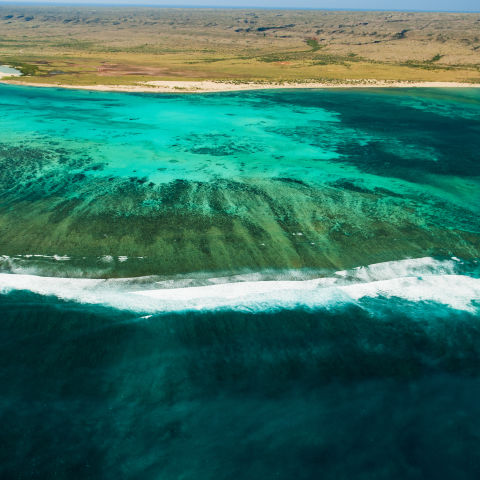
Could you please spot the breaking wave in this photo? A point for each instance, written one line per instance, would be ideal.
(449, 282)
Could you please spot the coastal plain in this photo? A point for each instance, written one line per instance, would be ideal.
(98, 46)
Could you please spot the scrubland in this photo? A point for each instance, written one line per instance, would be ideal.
(125, 46)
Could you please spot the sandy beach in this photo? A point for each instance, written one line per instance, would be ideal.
(210, 86)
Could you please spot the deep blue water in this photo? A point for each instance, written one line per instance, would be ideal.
(339, 393)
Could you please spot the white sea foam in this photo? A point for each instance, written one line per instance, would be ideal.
(403, 268)
(415, 280)
(60, 258)
(456, 291)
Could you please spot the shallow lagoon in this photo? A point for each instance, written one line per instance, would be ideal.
(237, 181)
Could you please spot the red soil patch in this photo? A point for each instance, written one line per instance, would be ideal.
(109, 69)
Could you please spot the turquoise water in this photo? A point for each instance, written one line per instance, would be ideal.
(269, 284)
(224, 182)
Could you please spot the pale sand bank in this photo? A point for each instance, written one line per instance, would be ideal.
(205, 86)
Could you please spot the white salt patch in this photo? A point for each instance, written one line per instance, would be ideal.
(7, 71)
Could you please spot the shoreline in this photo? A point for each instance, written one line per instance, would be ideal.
(210, 86)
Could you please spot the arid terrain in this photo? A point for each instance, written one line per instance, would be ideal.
(126, 46)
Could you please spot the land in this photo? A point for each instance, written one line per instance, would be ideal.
(167, 49)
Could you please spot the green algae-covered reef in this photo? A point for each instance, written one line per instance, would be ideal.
(106, 184)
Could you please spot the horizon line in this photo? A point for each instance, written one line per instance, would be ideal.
(222, 7)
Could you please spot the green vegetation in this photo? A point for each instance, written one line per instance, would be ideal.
(436, 58)
(25, 68)
(313, 42)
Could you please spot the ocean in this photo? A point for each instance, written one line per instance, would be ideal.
(270, 284)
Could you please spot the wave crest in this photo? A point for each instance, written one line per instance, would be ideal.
(448, 282)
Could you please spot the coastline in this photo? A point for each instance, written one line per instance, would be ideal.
(210, 86)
